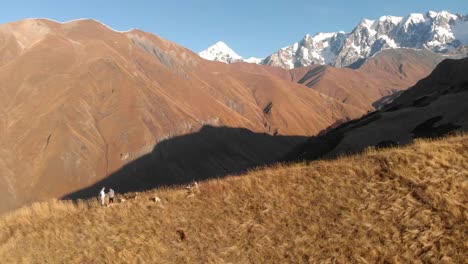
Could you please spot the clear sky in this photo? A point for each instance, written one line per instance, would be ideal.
(249, 27)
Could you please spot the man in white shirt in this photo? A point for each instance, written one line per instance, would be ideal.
(102, 194)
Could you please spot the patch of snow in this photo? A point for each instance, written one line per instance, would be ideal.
(372, 32)
(316, 56)
(254, 60)
(323, 36)
(432, 14)
(446, 14)
(390, 42)
(305, 53)
(295, 46)
(393, 19)
(413, 19)
(366, 23)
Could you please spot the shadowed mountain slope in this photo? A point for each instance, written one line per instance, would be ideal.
(435, 106)
(212, 152)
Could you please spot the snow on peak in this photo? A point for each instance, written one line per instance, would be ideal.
(414, 18)
(220, 52)
(323, 36)
(393, 19)
(366, 23)
(439, 15)
(223, 53)
(446, 14)
(222, 47)
(253, 60)
(431, 14)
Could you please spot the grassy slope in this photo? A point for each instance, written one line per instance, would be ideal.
(398, 205)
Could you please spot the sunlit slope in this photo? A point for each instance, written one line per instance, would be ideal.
(395, 205)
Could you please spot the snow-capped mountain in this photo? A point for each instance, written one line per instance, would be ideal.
(321, 48)
(220, 52)
(437, 31)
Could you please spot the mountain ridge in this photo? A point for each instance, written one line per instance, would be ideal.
(441, 32)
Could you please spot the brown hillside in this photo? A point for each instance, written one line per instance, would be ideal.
(389, 71)
(382, 75)
(403, 205)
(79, 101)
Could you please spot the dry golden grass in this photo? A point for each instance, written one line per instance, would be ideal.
(396, 205)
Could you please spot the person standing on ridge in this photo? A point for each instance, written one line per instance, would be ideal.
(111, 196)
(102, 194)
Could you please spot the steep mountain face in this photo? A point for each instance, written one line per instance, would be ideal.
(435, 106)
(440, 32)
(80, 101)
(319, 49)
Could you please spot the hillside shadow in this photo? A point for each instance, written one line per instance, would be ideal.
(212, 152)
(385, 100)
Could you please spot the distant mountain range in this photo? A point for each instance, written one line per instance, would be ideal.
(441, 32)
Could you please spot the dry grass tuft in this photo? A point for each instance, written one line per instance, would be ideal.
(398, 205)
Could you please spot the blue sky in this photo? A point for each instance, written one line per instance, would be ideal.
(251, 28)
